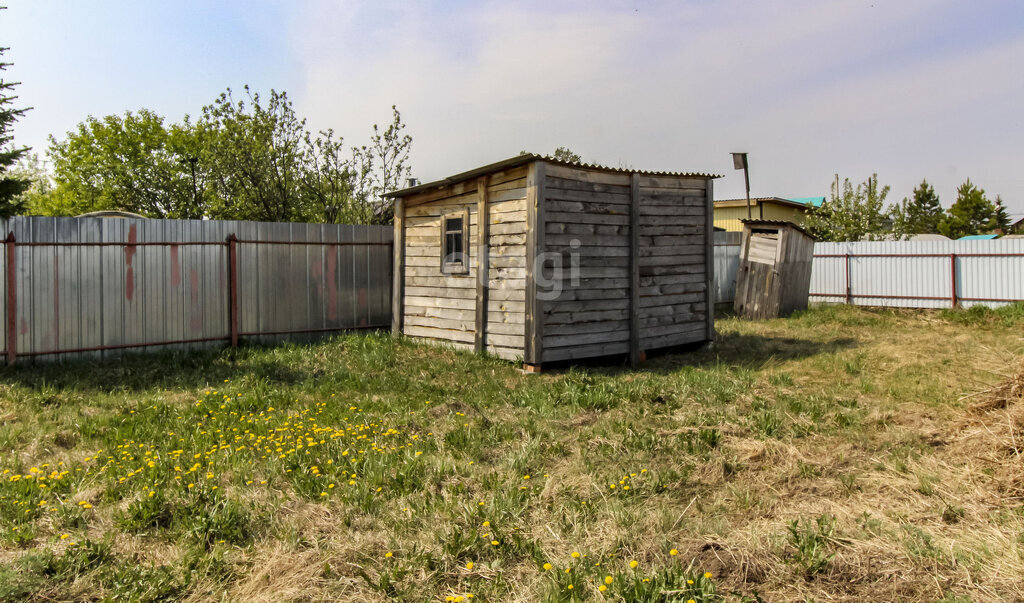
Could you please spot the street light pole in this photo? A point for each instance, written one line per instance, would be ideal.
(739, 162)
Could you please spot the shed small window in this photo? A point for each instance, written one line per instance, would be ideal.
(454, 259)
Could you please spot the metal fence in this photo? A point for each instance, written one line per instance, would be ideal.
(727, 262)
(919, 274)
(93, 286)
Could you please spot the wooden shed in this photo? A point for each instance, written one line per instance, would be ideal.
(775, 269)
(545, 260)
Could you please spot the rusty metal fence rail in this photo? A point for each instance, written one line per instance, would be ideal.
(89, 287)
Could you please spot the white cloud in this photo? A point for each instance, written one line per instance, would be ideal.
(808, 88)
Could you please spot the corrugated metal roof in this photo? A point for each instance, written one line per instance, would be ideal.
(797, 202)
(776, 223)
(812, 201)
(519, 160)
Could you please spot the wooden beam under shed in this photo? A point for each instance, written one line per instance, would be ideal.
(709, 259)
(635, 354)
(482, 265)
(534, 319)
(398, 271)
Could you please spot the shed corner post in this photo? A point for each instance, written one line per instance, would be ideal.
(12, 299)
(483, 267)
(709, 258)
(398, 269)
(535, 223)
(635, 354)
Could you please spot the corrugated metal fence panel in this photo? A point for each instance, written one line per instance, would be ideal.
(88, 297)
(919, 274)
(727, 262)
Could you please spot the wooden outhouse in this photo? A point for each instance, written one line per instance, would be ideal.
(544, 260)
(775, 269)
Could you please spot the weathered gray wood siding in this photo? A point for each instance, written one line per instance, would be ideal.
(506, 305)
(441, 306)
(673, 261)
(585, 277)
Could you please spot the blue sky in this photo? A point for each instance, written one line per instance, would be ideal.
(910, 89)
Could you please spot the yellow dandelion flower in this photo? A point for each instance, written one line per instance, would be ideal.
(575, 555)
(607, 579)
(64, 536)
(633, 564)
(388, 555)
(547, 566)
(673, 552)
(469, 565)
(487, 524)
(707, 575)
(602, 588)
(494, 542)
(569, 587)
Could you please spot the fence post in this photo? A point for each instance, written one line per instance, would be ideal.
(233, 288)
(849, 289)
(952, 278)
(12, 300)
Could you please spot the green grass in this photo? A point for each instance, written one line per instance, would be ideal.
(369, 468)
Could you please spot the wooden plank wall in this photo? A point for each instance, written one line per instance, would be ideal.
(588, 222)
(443, 307)
(673, 261)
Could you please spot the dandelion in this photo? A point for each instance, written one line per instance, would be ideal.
(494, 542)
(487, 524)
(388, 555)
(673, 552)
(602, 588)
(64, 536)
(569, 587)
(607, 579)
(469, 565)
(547, 567)
(633, 564)
(707, 575)
(575, 555)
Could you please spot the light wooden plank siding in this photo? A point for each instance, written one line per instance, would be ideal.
(443, 307)
(587, 236)
(600, 283)
(673, 267)
(588, 224)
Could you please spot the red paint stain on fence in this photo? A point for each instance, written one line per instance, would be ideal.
(362, 297)
(332, 283)
(196, 314)
(175, 267)
(129, 254)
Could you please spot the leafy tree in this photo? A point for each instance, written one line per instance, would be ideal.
(561, 154)
(1000, 217)
(851, 214)
(564, 154)
(12, 184)
(382, 166)
(253, 152)
(131, 163)
(971, 214)
(32, 201)
(919, 214)
(247, 159)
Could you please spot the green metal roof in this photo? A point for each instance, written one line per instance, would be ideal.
(812, 201)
